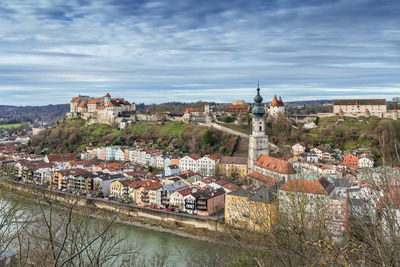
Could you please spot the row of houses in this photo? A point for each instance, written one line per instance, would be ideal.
(186, 191)
(208, 165)
(322, 154)
(203, 197)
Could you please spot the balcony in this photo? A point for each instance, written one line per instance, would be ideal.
(189, 206)
(201, 207)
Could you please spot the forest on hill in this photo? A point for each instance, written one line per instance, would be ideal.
(31, 114)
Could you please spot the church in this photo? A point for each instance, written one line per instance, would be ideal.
(263, 168)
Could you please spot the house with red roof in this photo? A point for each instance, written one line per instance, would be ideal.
(60, 158)
(273, 168)
(306, 195)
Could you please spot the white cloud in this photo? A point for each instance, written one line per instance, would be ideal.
(190, 50)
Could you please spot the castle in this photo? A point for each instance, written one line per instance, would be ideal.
(100, 110)
(276, 107)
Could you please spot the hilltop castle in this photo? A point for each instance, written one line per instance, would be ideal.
(100, 110)
(276, 107)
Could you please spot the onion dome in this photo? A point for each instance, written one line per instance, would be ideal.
(107, 95)
(258, 109)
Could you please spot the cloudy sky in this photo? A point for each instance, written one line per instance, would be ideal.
(189, 50)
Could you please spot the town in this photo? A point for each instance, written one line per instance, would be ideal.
(239, 189)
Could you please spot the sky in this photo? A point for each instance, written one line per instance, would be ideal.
(190, 50)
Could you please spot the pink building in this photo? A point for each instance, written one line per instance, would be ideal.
(101, 153)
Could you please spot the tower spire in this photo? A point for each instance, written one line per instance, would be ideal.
(258, 109)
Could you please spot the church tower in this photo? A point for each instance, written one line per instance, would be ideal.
(258, 140)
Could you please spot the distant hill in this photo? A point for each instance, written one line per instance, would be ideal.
(31, 114)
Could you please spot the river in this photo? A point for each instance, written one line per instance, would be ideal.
(180, 250)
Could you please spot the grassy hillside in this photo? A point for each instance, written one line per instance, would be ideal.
(347, 134)
(175, 137)
(14, 125)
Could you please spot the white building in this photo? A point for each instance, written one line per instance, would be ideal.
(172, 170)
(365, 162)
(276, 107)
(206, 166)
(110, 152)
(189, 163)
(375, 107)
(298, 148)
(119, 155)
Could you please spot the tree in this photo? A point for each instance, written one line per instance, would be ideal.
(208, 138)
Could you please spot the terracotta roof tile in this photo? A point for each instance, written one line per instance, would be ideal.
(214, 157)
(275, 164)
(265, 179)
(274, 102)
(237, 108)
(190, 110)
(93, 100)
(230, 186)
(195, 156)
(308, 186)
(82, 105)
(150, 185)
(75, 99)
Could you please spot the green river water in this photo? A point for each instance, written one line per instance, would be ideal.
(180, 250)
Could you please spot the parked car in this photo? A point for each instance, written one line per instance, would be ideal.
(159, 208)
(152, 207)
(169, 209)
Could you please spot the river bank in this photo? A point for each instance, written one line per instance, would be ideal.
(188, 226)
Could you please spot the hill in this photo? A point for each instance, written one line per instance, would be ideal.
(170, 137)
(31, 114)
(350, 134)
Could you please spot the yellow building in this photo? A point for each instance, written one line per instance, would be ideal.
(92, 152)
(233, 166)
(254, 210)
(117, 189)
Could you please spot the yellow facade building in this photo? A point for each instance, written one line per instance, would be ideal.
(254, 210)
(233, 166)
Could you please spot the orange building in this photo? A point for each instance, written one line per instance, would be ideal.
(350, 161)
